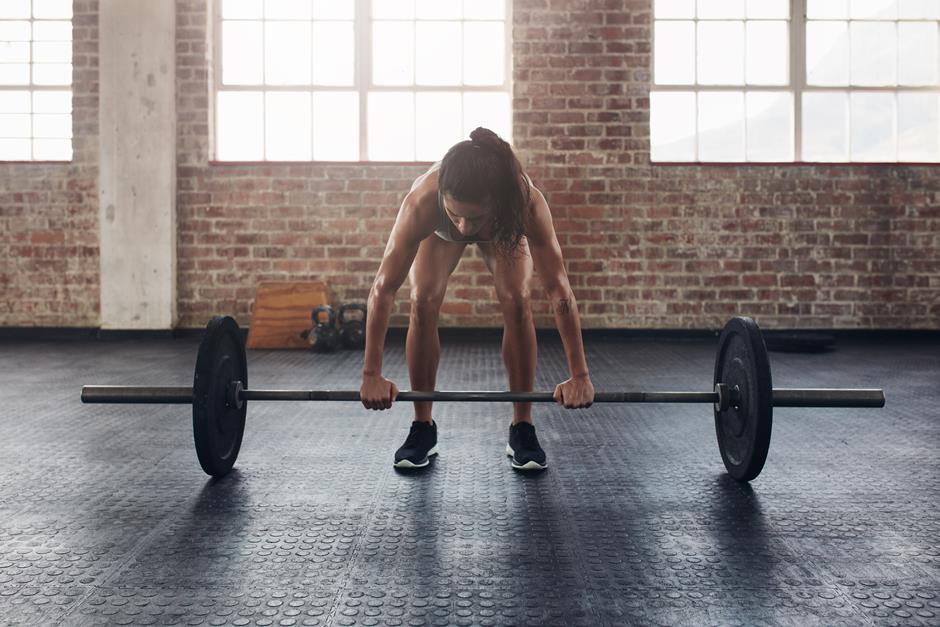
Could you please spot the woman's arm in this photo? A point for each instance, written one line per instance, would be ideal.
(548, 262)
(400, 253)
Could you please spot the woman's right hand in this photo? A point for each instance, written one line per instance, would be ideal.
(377, 392)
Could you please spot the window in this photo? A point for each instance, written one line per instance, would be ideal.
(358, 80)
(35, 80)
(796, 80)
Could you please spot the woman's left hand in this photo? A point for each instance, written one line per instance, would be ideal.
(575, 393)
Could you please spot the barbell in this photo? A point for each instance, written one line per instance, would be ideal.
(743, 397)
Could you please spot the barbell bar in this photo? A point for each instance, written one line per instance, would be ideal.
(743, 398)
(782, 397)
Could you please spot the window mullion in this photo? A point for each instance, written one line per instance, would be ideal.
(363, 48)
(798, 71)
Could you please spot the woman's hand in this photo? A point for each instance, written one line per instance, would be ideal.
(377, 392)
(576, 392)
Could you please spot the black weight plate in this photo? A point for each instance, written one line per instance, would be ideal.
(744, 430)
(218, 426)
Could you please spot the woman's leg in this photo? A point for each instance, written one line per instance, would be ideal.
(513, 276)
(433, 265)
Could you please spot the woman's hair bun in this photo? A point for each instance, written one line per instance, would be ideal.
(485, 137)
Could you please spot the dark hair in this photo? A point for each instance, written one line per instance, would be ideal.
(485, 170)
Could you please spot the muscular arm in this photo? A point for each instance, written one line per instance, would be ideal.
(548, 262)
(410, 228)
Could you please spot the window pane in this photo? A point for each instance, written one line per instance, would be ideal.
(674, 9)
(484, 9)
(437, 53)
(488, 109)
(51, 101)
(52, 52)
(334, 54)
(768, 9)
(721, 126)
(918, 54)
(334, 9)
(14, 10)
(439, 9)
(14, 101)
(438, 124)
(14, 52)
(672, 126)
(769, 126)
(919, 126)
(14, 74)
(287, 126)
(874, 53)
(14, 31)
(287, 9)
(51, 9)
(52, 31)
(14, 149)
(484, 53)
(919, 10)
(241, 53)
(768, 53)
(242, 9)
(674, 55)
(393, 9)
(393, 53)
(52, 149)
(872, 118)
(15, 125)
(52, 74)
(827, 53)
(720, 53)
(336, 126)
(391, 126)
(52, 125)
(827, 9)
(720, 9)
(826, 126)
(873, 9)
(287, 53)
(240, 126)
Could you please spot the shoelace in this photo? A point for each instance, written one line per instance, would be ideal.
(412, 439)
(530, 440)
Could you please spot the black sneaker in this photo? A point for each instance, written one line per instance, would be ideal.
(524, 448)
(420, 444)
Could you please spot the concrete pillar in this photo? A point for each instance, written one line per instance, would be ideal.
(137, 117)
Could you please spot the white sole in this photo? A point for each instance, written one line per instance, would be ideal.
(529, 465)
(427, 460)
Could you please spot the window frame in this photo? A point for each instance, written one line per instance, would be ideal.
(32, 87)
(796, 85)
(362, 70)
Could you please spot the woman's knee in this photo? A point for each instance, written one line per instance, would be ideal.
(426, 305)
(516, 306)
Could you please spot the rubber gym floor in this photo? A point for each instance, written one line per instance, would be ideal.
(106, 517)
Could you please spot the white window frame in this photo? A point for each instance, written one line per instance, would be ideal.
(362, 80)
(796, 85)
(32, 87)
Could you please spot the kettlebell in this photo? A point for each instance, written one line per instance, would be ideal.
(352, 325)
(324, 337)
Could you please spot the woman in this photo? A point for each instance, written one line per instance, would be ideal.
(477, 194)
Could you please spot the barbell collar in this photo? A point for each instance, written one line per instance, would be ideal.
(782, 397)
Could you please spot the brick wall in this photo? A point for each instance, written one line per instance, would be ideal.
(646, 246)
(49, 211)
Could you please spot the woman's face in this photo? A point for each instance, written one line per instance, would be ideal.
(468, 217)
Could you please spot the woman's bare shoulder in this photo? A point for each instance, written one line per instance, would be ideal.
(419, 208)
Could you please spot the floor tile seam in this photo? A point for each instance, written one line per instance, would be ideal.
(367, 519)
(120, 565)
(814, 566)
(573, 533)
